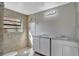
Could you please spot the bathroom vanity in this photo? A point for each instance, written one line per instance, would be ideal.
(55, 46)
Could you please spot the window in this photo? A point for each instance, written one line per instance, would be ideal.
(12, 25)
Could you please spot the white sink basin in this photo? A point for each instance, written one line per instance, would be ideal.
(64, 38)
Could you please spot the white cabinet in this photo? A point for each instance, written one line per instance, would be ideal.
(64, 48)
(36, 44)
(56, 48)
(44, 46)
(70, 51)
(41, 45)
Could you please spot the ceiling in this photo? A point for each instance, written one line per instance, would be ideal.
(28, 8)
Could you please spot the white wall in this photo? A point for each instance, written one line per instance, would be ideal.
(62, 23)
(77, 21)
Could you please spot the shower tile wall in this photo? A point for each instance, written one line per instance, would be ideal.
(1, 25)
(11, 41)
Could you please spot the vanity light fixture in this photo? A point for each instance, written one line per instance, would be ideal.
(50, 13)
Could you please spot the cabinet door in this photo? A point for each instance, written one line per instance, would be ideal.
(45, 46)
(70, 51)
(36, 44)
(56, 48)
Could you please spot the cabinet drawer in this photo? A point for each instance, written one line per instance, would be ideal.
(67, 43)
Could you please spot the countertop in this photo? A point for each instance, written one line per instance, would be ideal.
(70, 39)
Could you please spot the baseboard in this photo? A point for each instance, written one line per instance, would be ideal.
(39, 54)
